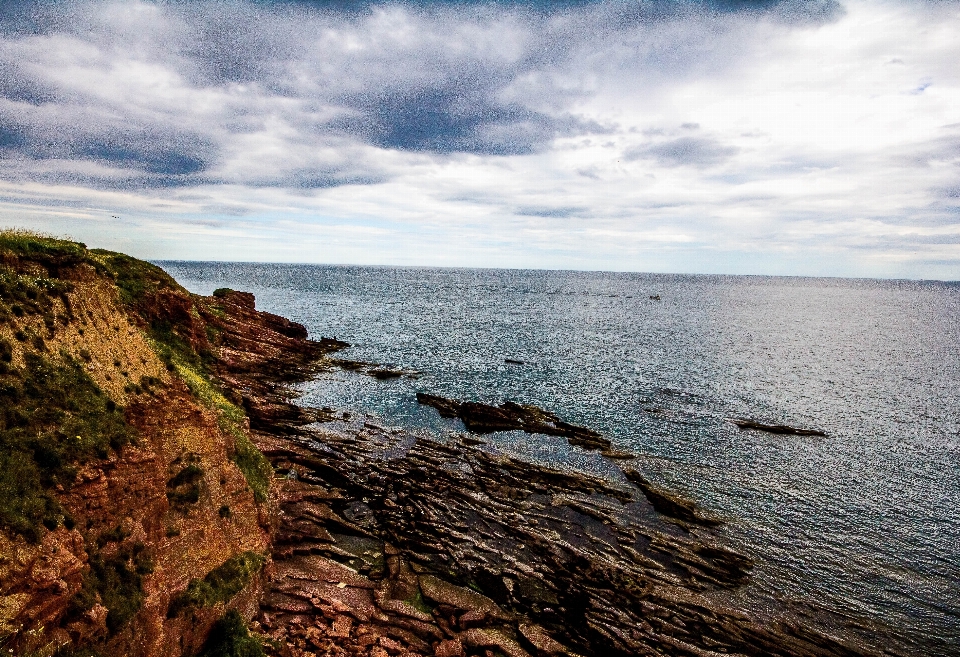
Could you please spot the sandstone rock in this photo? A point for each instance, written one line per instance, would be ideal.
(541, 641)
(484, 638)
(341, 626)
(459, 597)
(449, 648)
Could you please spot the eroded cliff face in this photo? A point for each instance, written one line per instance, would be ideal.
(128, 476)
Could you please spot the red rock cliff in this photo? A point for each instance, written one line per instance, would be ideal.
(148, 543)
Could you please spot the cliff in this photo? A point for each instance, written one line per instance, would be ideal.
(134, 509)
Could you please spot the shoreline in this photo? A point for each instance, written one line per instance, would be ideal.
(443, 549)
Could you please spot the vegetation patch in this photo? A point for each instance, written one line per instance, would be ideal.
(135, 278)
(230, 638)
(24, 295)
(53, 417)
(50, 252)
(183, 488)
(220, 584)
(254, 465)
(114, 580)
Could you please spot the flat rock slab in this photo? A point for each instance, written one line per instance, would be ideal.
(459, 597)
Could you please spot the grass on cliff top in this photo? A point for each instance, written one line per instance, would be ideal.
(43, 249)
(230, 638)
(53, 417)
(31, 292)
(220, 584)
(135, 278)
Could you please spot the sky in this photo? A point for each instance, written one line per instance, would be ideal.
(784, 137)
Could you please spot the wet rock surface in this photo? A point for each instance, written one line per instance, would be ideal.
(669, 504)
(777, 428)
(390, 544)
(510, 416)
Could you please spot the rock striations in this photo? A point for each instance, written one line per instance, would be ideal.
(215, 516)
(126, 477)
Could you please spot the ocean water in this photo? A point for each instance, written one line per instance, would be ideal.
(864, 524)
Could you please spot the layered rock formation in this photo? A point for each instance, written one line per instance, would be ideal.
(99, 536)
(390, 544)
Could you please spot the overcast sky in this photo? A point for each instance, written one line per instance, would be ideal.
(815, 138)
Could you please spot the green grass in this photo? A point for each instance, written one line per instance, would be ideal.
(135, 278)
(220, 584)
(115, 581)
(254, 465)
(23, 294)
(51, 252)
(230, 638)
(53, 417)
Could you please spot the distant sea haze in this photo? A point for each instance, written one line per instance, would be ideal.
(862, 523)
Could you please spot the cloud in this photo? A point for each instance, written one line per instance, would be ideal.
(684, 151)
(576, 134)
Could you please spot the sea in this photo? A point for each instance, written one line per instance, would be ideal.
(862, 525)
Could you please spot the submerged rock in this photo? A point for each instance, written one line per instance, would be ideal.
(667, 503)
(777, 428)
(383, 374)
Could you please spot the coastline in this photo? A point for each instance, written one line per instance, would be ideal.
(427, 548)
(220, 507)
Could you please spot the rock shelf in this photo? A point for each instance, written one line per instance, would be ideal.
(390, 544)
(510, 416)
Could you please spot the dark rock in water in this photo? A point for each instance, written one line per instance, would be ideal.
(386, 374)
(510, 416)
(332, 344)
(511, 361)
(777, 428)
(669, 504)
(353, 365)
(482, 418)
(446, 407)
(379, 372)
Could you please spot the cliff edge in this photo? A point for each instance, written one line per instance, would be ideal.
(134, 509)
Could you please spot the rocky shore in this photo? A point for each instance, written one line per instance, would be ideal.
(163, 495)
(389, 544)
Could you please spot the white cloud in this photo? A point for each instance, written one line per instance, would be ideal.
(594, 136)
